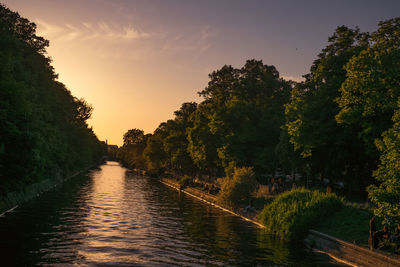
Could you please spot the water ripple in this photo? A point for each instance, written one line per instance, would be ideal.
(112, 217)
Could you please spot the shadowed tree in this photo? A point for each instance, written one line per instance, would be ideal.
(369, 94)
(43, 130)
(133, 137)
(386, 196)
(239, 122)
(332, 151)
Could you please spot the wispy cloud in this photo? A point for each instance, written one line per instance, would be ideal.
(197, 41)
(113, 41)
(87, 31)
(293, 78)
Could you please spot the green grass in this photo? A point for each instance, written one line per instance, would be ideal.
(291, 214)
(350, 224)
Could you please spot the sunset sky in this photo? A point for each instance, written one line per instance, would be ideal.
(137, 61)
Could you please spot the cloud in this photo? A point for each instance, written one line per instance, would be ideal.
(293, 78)
(47, 29)
(87, 31)
(206, 33)
(198, 40)
(107, 40)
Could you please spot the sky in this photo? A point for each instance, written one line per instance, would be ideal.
(136, 62)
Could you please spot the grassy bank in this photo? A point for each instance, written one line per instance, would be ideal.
(349, 223)
(291, 214)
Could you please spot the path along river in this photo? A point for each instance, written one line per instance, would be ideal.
(112, 217)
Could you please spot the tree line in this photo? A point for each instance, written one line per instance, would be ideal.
(43, 129)
(341, 124)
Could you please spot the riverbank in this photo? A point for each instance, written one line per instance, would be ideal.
(349, 253)
(211, 200)
(13, 199)
(339, 250)
(133, 220)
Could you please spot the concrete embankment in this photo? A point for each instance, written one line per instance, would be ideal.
(13, 199)
(211, 200)
(348, 253)
(337, 249)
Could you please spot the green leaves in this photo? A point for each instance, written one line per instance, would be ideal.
(243, 115)
(386, 196)
(238, 187)
(43, 130)
(369, 100)
(328, 126)
(372, 86)
(133, 137)
(310, 115)
(293, 213)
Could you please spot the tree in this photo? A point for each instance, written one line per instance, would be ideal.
(202, 143)
(38, 114)
(386, 196)
(167, 148)
(22, 29)
(244, 115)
(133, 137)
(176, 143)
(369, 94)
(329, 148)
(370, 100)
(83, 110)
(155, 154)
(237, 188)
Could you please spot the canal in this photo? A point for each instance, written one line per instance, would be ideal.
(112, 217)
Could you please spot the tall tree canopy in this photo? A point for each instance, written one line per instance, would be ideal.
(369, 100)
(330, 149)
(43, 129)
(328, 126)
(241, 114)
(369, 94)
(386, 196)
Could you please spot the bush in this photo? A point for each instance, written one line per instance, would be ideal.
(293, 213)
(237, 188)
(185, 181)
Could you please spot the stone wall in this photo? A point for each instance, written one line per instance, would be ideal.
(13, 199)
(348, 253)
(211, 200)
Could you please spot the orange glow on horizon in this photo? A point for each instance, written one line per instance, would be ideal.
(136, 62)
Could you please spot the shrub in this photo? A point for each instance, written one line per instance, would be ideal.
(237, 188)
(185, 181)
(293, 213)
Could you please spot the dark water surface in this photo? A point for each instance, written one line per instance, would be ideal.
(112, 217)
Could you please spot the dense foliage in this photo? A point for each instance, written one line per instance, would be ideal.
(237, 124)
(342, 124)
(238, 187)
(370, 101)
(327, 147)
(293, 213)
(336, 127)
(43, 129)
(386, 196)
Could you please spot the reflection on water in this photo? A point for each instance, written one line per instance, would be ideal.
(112, 217)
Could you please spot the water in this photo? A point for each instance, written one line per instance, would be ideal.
(112, 217)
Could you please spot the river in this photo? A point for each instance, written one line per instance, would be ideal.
(112, 217)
